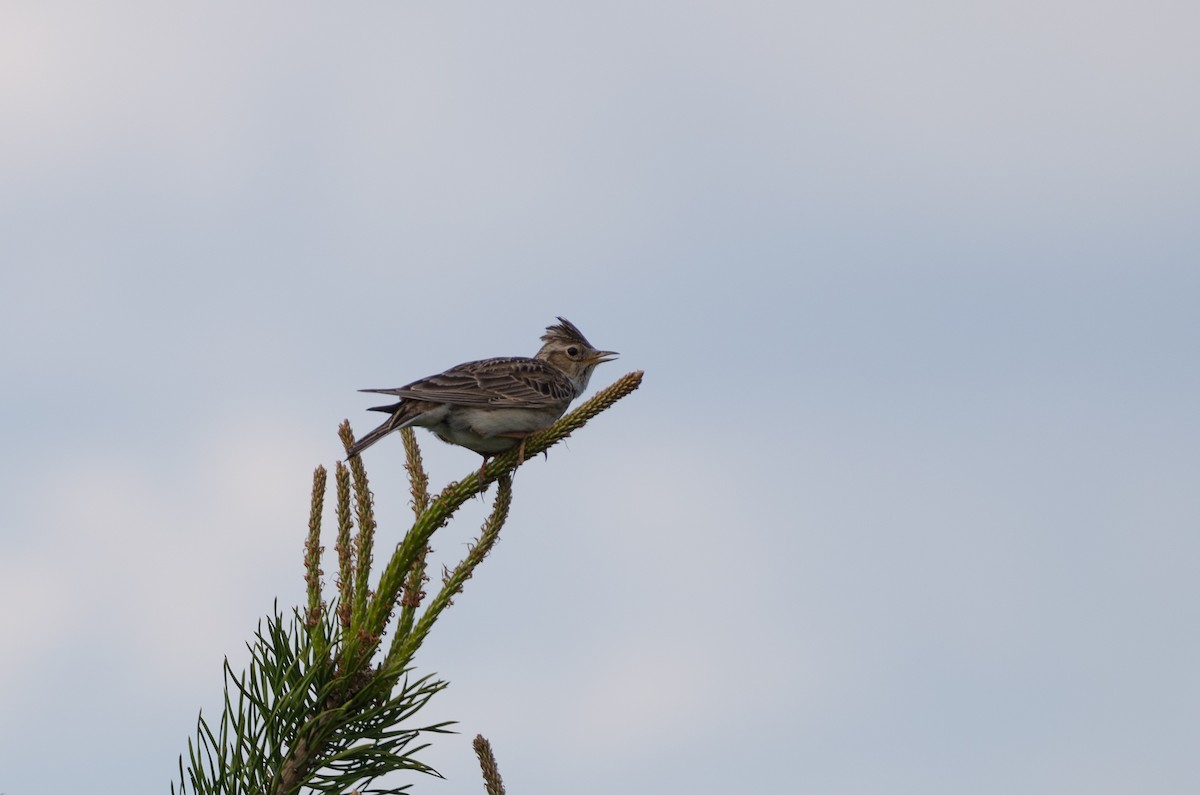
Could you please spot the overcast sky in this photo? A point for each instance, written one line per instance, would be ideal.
(909, 502)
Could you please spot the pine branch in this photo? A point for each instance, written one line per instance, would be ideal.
(403, 646)
(345, 551)
(487, 763)
(312, 563)
(313, 710)
(416, 579)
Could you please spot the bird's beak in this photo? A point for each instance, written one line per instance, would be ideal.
(600, 357)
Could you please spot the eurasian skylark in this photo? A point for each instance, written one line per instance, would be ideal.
(493, 405)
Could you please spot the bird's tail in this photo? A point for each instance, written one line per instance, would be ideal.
(400, 419)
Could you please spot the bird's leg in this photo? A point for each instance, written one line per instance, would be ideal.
(482, 474)
(521, 447)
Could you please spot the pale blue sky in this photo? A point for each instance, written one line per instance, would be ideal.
(908, 502)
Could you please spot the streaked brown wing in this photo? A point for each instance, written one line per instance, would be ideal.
(514, 382)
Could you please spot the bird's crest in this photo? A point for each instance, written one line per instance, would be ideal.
(565, 331)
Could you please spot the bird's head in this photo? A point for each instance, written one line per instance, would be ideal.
(566, 348)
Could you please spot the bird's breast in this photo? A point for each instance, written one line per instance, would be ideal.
(490, 430)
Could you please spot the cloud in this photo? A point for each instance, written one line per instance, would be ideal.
(172, 570)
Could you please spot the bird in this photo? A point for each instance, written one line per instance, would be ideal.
(493, 405)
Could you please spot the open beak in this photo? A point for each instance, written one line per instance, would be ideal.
(600, 357)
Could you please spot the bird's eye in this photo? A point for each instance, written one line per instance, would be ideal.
(572, 351)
